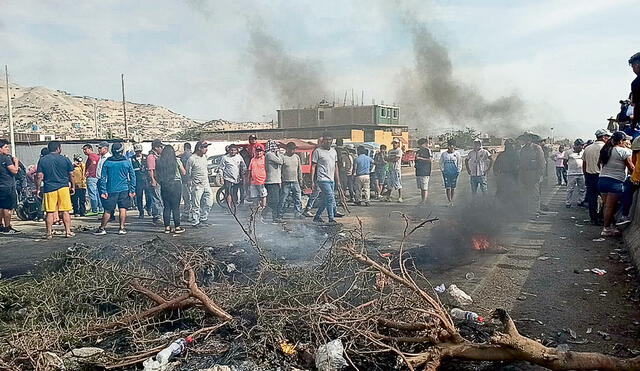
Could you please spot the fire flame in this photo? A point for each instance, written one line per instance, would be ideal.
(480, 242)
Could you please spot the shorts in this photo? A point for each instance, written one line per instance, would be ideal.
(257, 191)
(610, 185)
(423, 182)
(450, 180)
(234, 188)
(58, 200)
(395, 179)
(121, 199)
(8, 198)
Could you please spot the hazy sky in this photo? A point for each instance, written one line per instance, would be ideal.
(567, 60)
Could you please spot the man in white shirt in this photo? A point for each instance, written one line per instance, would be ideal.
(478, 164)
(591, 171)
(324, 175)
(575, 176)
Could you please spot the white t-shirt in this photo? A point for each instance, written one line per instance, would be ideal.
(103, 158)
(574, 162)
(398, 153)
(325, 160)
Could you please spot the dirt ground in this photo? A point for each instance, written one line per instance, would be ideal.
(538, 275)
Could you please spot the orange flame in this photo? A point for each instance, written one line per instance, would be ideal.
(480, 242)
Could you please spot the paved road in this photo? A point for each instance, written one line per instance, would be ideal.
(540, 278)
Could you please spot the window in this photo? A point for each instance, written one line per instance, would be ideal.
(395, 113)
(320, 115)
(383, 112)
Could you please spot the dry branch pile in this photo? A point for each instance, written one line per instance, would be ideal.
(133, 301)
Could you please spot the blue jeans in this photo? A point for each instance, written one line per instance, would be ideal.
(94, 199)
(328, 199)
(312, 198)
(292, 188)
(478, 181)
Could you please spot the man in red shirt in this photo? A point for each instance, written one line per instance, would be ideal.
(257, 175)
(92, 179)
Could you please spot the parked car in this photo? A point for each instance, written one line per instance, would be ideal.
(409, 157)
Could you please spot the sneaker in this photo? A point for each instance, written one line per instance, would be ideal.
(179, 230)
(307, 213)
(318, 220)
(623, 220)
(338, 215)
(156, 220)
(10, 230)
(332, 222)
(91, 213)
(122, 232)
(400, 200)
(167, 230)
(99, 232)
(609, 232)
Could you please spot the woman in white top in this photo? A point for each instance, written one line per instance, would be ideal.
(450, 165)
(615, 159)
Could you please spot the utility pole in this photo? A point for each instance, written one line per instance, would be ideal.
(124, 111)
(362, 100)
(95, 116)
(12, 138)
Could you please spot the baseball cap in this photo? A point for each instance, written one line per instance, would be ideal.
(635, 145)
(157, 143)
(253, 136)
(103, 144)
(395, 140)
(116, 148)
(259, 147)
(477, 140)
(578, 142)
(602, 133)
(137, 147)
(201, 144)
(77, 157)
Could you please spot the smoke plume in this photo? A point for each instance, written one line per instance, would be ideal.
(432, 96)
(294, 81)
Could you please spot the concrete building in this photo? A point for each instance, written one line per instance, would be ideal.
(372, 123)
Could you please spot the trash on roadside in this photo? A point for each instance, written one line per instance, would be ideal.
(466, 315)
(543, 258)
(604, 335)
(573, 334)
(288, 348)
(460, 298)
(598, 271)
(329, 356)
(231, 268)
(470, 276)
(385, 255)
(563, 238)
(589, 330)
(440, 288)
(599, 239)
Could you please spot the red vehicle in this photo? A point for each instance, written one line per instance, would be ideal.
(409, 157)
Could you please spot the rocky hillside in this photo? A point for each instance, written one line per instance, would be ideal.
(39, 109)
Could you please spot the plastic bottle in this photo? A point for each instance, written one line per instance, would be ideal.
(466, 315)
(175, 349)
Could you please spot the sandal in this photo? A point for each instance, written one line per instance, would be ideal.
(48, 237)
(69, 235)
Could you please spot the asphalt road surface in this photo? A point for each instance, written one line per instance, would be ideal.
(534, 267)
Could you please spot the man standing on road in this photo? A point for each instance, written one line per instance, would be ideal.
(362, 166)
(575, 175)
(186, 193)
(532, 165)
(233, 169)
(198, 175)
(273, 162)
(591, 169)
(423, 169)
(56, 171)
(291, 180)
(257, 174)
(117, 186)
(143, 198)
(381, 169)
(91, 169)
(394, 158)
(325, 176)
(103, 151)
(478, 164)
(154, 185)
(9, 167)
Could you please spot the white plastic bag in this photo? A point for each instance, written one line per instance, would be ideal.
(459, 297)
(329, 356)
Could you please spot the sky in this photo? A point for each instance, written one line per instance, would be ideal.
(566, 60)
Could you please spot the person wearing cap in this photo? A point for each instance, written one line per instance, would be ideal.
(154, 185)
(532, 167)
(591, 170)
(91, 170)
(55, 171)
(478, 163)
(250, 150)
(198, 175)
(291, 180)
(394, 159)
(117, 186)
(572, 161)
(79, 180)
(257, 175)
(143, 196)
(103, 151)
(186, 192)
(233, 169)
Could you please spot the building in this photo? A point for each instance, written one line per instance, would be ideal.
(372, 123)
